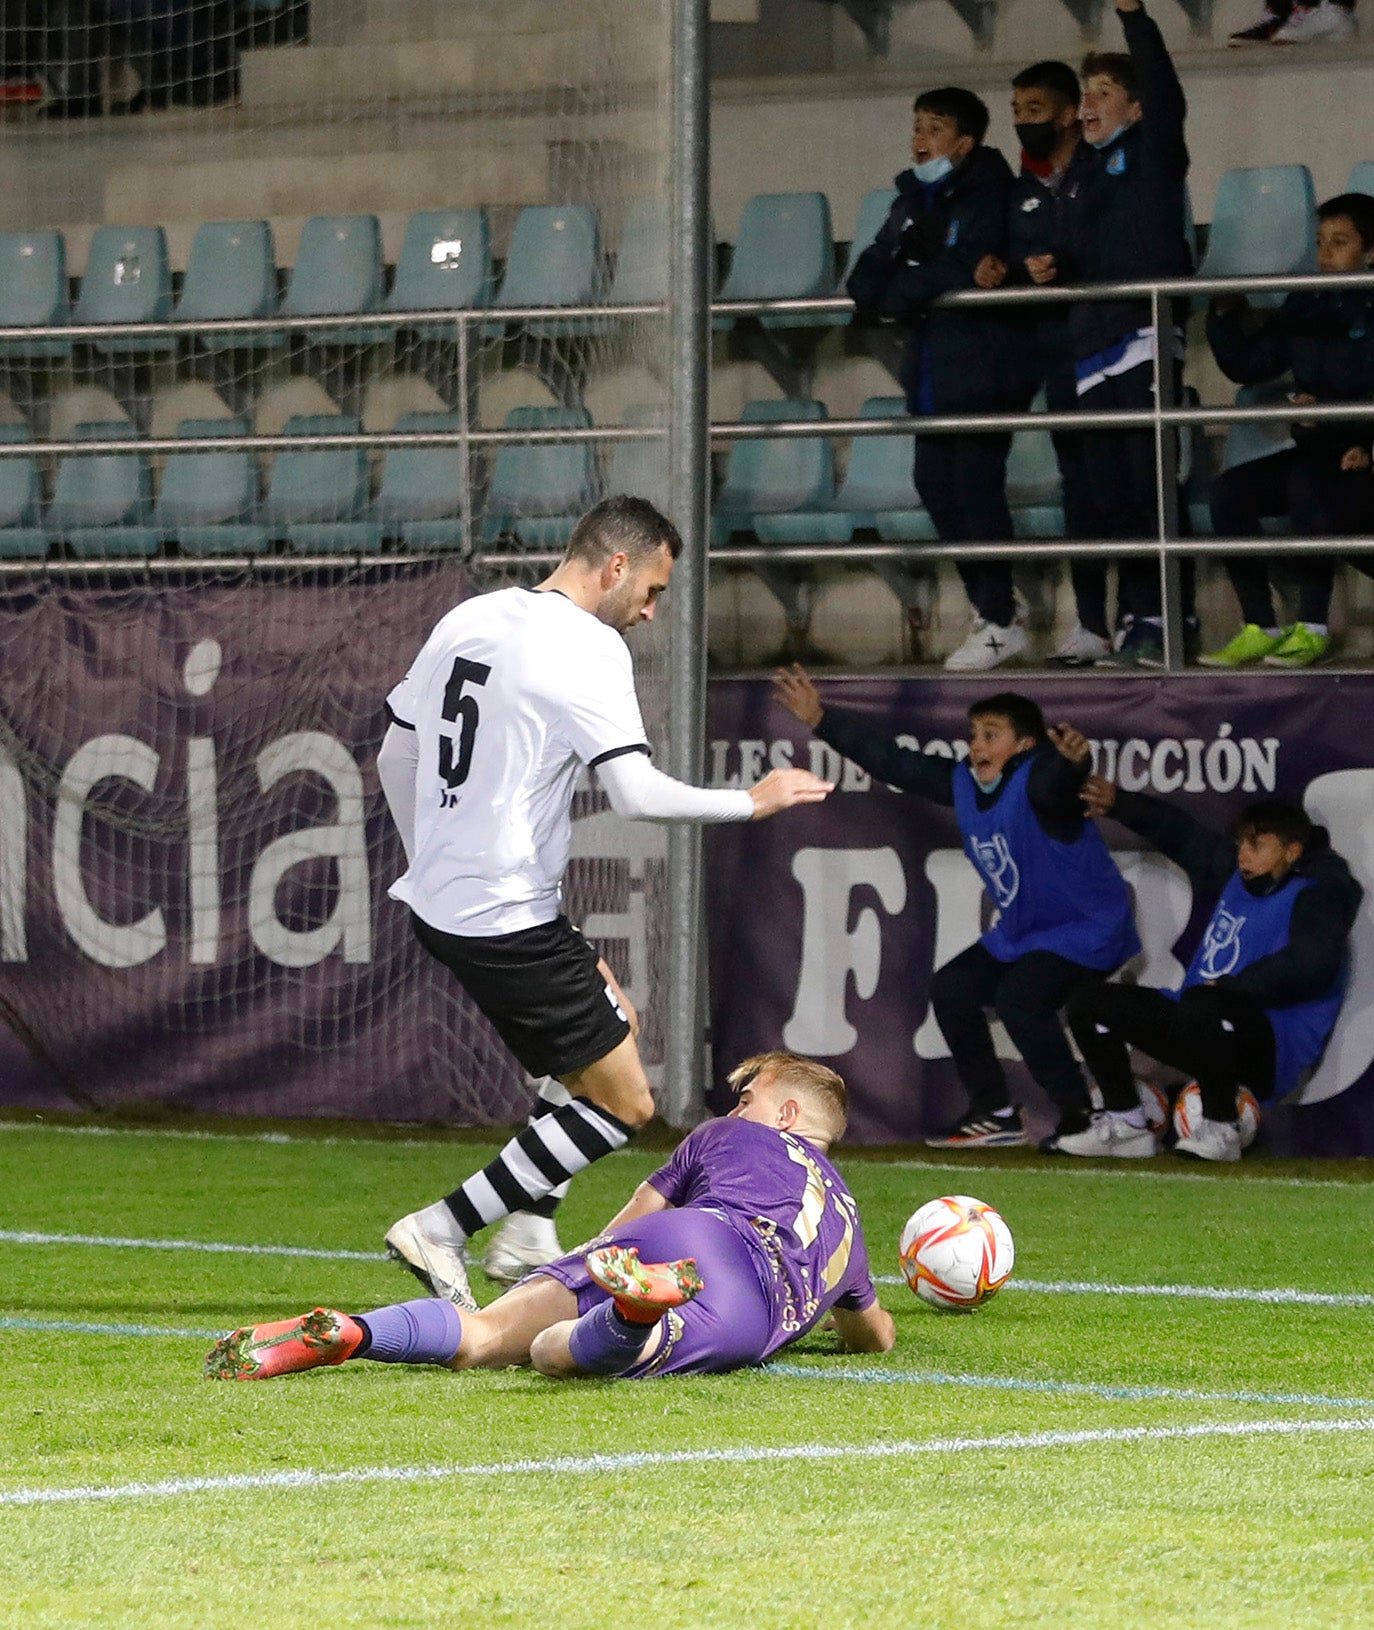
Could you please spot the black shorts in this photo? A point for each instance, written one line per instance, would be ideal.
(542, 990)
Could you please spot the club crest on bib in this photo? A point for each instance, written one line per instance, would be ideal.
(997, 866)
(1221, 947)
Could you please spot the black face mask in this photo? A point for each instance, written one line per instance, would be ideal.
(1038, 140)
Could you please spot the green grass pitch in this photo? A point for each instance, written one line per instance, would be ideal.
(1088, 1457)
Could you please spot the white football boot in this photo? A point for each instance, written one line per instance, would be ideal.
(1326, 23)
(1081, 649)
(1110, 1134)
(522, 1243)
(1211, 1140)
(987, 646)
(441, 1265)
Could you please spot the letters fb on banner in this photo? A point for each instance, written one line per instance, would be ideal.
(826, 927)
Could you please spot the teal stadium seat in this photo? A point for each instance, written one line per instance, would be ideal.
(316, 496)
(231, 272)
(420, 501)
(878, 491)
(207, 500)
(102, 502)
(1034, 489)
(784, 251)
(445, 265)
(873, 211)
(22, 537)
(782, 488)
(1265, 220)
(338, 272)
(640, 468)
(554, 260)
(33, 291)
(642, 264)
(1362, 178)
(128, 280)
(538, 492)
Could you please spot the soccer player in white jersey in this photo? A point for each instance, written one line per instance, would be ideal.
(513, 694)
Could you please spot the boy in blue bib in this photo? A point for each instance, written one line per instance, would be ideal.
(1262, 991)
(1063, 916)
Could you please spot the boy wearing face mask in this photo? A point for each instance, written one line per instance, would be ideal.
(1129, 222)
(951, 212)
(1055, 164)
(1062, 918)
(1262, 993)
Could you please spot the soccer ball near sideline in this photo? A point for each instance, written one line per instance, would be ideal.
(957, 1253)
(1188, 1111)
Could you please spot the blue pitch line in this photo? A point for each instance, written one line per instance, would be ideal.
(1090, 1389)
(1206, 1293)
(648, 1460)
(73, 1327)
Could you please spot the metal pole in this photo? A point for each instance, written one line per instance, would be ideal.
(466, 397)
(684, 1076)
(1166, 480)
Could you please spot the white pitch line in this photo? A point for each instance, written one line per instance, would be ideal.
(851, 1157)
(1280, 1295)
(24, 1236)
(641, 1460)
(1055, 1287)
(74, 1327)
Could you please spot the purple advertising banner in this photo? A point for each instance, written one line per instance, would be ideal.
(827, 923)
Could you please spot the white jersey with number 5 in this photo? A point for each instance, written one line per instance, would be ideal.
(511, 695)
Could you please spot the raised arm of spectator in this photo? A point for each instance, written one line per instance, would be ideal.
(872, 750)
(1161, 91)
(1208, 857)
(1055, 784)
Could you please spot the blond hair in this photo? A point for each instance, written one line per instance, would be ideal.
(824, 1090)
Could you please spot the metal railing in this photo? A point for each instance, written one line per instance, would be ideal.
(1166, 545)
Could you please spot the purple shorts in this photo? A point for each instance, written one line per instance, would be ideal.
(727, 1326)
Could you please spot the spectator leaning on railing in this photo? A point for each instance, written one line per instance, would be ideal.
(1055, 163)
(950, 212)
(1325, 339)
(1128, 223)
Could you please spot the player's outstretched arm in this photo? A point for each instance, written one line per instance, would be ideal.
(644, 1202)
(872, 1331)
(785, 789)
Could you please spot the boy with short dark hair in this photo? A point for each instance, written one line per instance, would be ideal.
(950, 212)
(1326, 341)
(1129, 223)
(1063, 911)
(1261, 995)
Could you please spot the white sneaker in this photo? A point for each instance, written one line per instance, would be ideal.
(1110, 1134)
(1081, 649)
(1211, 1140)
(1327, 23)
(1155, 1102)
(440, 1265)
(986, 647)
(523, 1242)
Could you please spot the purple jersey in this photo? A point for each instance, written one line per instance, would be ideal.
(791, 1208)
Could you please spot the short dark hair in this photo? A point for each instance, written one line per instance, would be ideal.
(1115, 65)
(622, 523)
(1025, 716)
(1355, 207)
(1055, 77)
(969, 112)
(1271, 817)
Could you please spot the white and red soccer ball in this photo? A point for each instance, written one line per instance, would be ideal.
(957, 1253)
(1188, 1112)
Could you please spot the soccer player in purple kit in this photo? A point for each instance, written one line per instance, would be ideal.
(746, 1240)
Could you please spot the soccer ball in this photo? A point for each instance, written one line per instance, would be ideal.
(1155, 1102)
(1188, 1112)
(957, 1253)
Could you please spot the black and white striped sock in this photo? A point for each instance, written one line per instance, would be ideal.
(542, 1158)
(552, 1095)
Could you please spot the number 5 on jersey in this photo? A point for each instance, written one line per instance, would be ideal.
(455, 751)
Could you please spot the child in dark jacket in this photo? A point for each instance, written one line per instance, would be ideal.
(1326, 341)
(1264, 988)
(950, 212)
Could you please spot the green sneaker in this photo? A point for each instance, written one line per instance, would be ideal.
(1300, 647)
(1252, 644)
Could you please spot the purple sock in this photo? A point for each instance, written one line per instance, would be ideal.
(426, 1331)
(604, 1343)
